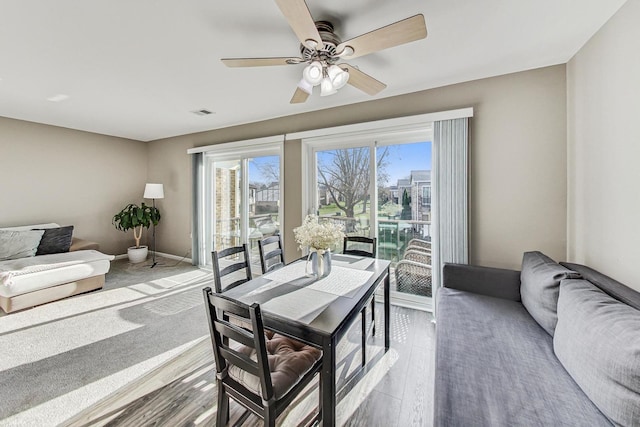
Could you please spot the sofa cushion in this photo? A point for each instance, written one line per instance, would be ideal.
(496, 367)
(19, 244)
(44, 271)
(607, 284)
(598, 342)
(55, 240)
(31, 227)
(539, 287)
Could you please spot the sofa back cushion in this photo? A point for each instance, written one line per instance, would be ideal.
(597, 340)
(539, 287)
(31, 227)
(607, 284)
(19, 244)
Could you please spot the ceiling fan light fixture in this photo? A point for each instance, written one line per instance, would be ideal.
(338, 76)
(304, 85)
(327, 88)
(313, 73)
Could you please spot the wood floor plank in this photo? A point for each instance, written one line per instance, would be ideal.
(417, 401)
(377, 410)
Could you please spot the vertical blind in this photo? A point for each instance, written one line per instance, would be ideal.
(197, 201)
(450, 169)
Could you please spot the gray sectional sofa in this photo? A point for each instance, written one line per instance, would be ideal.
(551, 345)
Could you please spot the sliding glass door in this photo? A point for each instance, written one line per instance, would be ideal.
(242, 200)
(380, 186)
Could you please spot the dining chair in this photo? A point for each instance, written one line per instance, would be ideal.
(273, 259)
(264, 374)
(357, 249)
(231, 263)
(353, 245)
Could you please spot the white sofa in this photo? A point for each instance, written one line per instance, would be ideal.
(31, 281)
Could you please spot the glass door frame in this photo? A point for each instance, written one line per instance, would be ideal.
(373, 139)
(242, 151)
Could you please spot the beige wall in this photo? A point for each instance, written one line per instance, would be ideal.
(518, 161)
(603, 82)
(52, 174)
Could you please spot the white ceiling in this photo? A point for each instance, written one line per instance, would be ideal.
(137, 69)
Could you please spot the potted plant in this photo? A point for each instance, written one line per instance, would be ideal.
(134, 217)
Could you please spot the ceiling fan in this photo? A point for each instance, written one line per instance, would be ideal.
(323, 50)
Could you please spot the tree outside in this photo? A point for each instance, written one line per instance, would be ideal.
(345, 175)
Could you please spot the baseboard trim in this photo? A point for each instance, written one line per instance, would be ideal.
(162, 254)
(176, 257)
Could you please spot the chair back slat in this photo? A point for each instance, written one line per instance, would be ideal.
(231, 268)
(230, 251)
(219, 274)
(372, 241)
(231, 331)
(273, 253)
(240, 360)
(277, 255)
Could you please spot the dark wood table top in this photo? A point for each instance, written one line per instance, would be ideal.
(289, 298)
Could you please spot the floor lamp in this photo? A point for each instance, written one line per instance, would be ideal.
(154, 191)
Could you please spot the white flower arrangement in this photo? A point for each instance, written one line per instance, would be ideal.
(318, 236)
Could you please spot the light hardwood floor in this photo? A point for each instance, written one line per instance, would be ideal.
(394, 389)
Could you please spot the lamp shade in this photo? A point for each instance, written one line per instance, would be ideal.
(326, 87)
(313, 73)
(153, 191)
(338, 76)
(305, 86)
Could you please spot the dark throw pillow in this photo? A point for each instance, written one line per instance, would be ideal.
(55, 240)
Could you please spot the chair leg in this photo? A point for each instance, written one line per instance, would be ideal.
(222, 417)
(363, 316)
(373, 315)
(270, 417)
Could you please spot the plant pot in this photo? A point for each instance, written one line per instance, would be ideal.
(137, 255)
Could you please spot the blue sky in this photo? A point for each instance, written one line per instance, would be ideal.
(403, 158)
(407, 157)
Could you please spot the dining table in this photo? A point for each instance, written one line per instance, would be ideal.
(319, 311)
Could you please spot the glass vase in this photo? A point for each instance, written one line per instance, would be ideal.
(320, 263)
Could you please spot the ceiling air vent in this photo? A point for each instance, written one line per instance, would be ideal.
(202, 112)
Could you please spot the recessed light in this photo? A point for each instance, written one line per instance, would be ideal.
(203, 112)
(58, 98)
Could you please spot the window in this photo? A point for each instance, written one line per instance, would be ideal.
(426, 194)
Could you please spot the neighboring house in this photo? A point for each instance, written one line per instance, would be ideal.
(418, 187)
(267, 199)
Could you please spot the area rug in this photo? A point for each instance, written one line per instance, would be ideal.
(60, 358)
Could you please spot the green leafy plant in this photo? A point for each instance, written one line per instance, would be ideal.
(134, 217)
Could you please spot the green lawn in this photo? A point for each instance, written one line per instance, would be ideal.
(332, 209)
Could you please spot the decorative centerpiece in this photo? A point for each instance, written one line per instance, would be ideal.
(319, 237)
